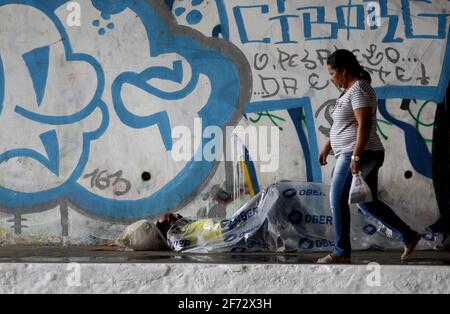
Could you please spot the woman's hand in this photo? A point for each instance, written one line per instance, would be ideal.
(355, 166)
(323, 155)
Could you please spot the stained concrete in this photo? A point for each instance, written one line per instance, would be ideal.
(33, 269)
(107, 254)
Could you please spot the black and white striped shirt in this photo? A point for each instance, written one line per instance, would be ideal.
(344, 129)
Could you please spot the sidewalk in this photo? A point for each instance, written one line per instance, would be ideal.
(100, 270)
(104, 254)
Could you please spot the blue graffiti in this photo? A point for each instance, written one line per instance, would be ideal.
(310, 161)
(263, 9)
(409, 32)
(315, 16)
(179, 11)
(308, 141)
(110, 7)
(219, 109)
(102, 31)
(50, 142)
(221, 106)
(140, 81)
(416, 148)
(422, 92)
(37, 63)
(320, 20)
(393, 21)
(344, 23)
(433, 93)
(2, 85)
(194, 16)
(223, 17)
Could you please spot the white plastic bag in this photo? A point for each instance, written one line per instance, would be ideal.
(143, 235)
(359, 191)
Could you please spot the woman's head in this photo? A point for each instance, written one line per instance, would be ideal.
(344, 67)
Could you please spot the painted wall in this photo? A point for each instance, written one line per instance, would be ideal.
(87, 109)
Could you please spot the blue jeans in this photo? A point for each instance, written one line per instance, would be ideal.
(371, 161)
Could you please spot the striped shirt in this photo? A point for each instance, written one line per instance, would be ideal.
(344, 129)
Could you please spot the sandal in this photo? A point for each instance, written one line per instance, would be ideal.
(409, 248)
(330, 259)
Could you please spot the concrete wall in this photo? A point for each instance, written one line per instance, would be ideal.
(91, 90)
(210, 278)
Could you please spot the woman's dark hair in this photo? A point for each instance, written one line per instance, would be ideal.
(345, 59)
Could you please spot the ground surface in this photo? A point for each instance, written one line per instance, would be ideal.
(104, 254)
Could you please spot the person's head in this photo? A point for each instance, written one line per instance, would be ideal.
(344, 68)
(165, 221)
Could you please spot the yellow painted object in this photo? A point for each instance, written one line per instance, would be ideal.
(248, 179)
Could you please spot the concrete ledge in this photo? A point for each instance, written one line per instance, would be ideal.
(217, 278)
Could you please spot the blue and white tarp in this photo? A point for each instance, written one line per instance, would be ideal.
(285, 217)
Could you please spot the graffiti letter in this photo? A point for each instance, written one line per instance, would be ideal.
(327, 107)
(424, 79)
(407, 18)
(284, 23)
(400, 76)
(261, 61)
(287, 87)
(241, 24)
(307, 23)
(282, 58)
(395, 59)
(312, 64)
(380, 71)
(372, 50)
(315, 83)
(264, 86)
(344, 22)
(322, 55)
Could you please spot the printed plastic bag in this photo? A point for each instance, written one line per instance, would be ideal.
(359, 191)
(285, 217)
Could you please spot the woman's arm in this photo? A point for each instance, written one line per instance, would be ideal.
(364, 118)
(324, 153)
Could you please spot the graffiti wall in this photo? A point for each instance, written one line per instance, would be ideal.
(92, 91)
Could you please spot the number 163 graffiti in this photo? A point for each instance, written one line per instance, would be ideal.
(102, 180)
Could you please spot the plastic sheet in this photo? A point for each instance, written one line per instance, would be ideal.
(285, 217)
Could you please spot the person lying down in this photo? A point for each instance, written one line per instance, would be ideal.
(285, 217)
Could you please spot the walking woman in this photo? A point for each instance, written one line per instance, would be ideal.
(356, 146)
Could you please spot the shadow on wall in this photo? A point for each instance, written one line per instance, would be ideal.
(441, 164)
